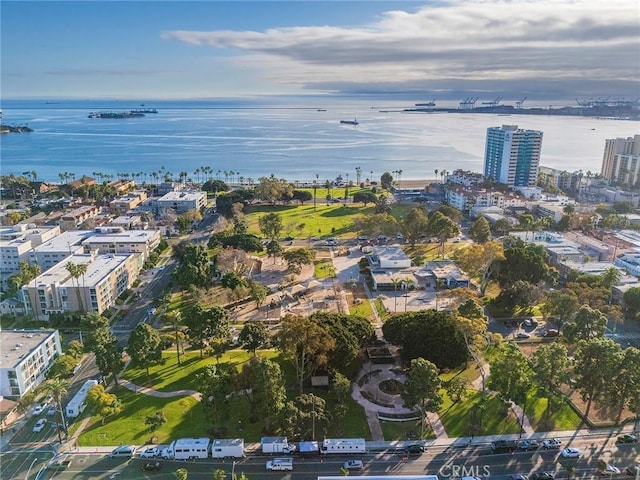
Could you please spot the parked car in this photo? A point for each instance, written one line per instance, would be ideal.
(523, 335)
(414, 448)
(552, 332)
(542, 476)
(551, 443)
(38, 409)
(571, 453)
(528, 445)
(504, 446)
(39, 425)
(123, 451)
(61, 463)
(627, 438)
(353, 465)
(530, 322)
(151, 467)
(150, 452)
(611, 470)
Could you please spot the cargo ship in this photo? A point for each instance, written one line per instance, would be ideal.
(131, 114)
(349, 122)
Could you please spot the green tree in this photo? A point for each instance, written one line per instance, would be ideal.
(631, 300)
(595, 360)
(76, 271)
(561, 304)
(480, 232)
(443, 227)
(232, 281)
(478, 260)
(511, 375)
(523, 262)
(216, 387)
(155, 421)
(610, 278)
(274, 249)
(436, 336)
(258, 292)
(624, 390)
(271, 225)
(422, 389)
(99, 340)
(297, 257)
(302, 196)
(341, 390)
(456, 388)
(144, 346)
(415, 225)
(382, 204)
(305, 344)
(550, 367)
(174, 319)
(386, 180)
(62, 366)
(102, 402)
(194, 269)
(254, 335)
(75, 349)
(365, 197)
(58, 389)
(262, 383)
(587, 324)
(305, 416)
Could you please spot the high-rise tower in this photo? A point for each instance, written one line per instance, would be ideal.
(512, 155)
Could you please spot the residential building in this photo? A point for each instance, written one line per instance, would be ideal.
(58, 249)
(512, 155)
(129, 222)
(621, 160)
(629, 261)
(442, 273)
(26, 357)
(466, 178)
(182, 201)
(117, 240)
(565, 181)
(56, 291)
(77, 217)
(389, 257)
(127, 202)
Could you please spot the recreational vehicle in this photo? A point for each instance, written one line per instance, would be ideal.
(78, 403)
(277, 445)
(227, 448)
(343, 445)
(187, 449)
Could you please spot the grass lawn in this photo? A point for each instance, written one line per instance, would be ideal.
(456, 417)
(326, 221)
(562, 416)
(324, 268)
(184, 416)
(363, 309)
(409, 430)
(382, 310)
(169, 376)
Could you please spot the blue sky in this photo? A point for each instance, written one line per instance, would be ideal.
(207, 49)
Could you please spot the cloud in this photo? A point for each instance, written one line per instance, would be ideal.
(509, 42)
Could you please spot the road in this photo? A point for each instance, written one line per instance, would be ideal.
(476, 460)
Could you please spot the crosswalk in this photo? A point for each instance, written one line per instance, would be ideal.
(625, 338)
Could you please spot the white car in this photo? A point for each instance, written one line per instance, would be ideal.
(571, 453)
(150, 452)
(353, 465)
(52, 410)
(39, 425)
(551, 443)
(38, 409)
(611, 470)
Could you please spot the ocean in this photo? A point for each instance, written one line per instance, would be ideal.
(296, 140)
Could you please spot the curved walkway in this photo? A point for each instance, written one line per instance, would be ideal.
(156, 393)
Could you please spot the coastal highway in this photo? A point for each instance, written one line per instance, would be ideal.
(444, 461)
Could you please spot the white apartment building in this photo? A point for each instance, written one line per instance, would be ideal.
(621, 160)
(630, 262)
(58, 249)
(466, 178)
(56, 291)
(118, 240)
(182, 201)
(26, 357)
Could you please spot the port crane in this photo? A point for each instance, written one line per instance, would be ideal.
(468, 103)
(520, 102)
(493, 103)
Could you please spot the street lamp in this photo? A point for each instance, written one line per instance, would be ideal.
(26, 477)
(233, 470)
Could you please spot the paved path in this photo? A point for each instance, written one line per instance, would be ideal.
(156, 393)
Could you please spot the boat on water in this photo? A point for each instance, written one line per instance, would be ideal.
(349, 122)
(15, 128)
(145, 110)
(130, 114)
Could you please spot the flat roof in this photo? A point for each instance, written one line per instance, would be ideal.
(181, 195)
(98, 267)
(17, 344)
(64, 241)
(135, 236)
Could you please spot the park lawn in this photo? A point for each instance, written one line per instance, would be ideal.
(185, 418)
(324, 268)
(470, 373)
(382, 310)
(456, 417)
(302, 221)
(363, 309)
(168, 377)
(408, 430)
(562, 416)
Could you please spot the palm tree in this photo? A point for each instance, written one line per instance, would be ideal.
(436, 172)
(358, 175)
(610, 278)
(57, 388)
(76, 271)
(174, 319)
(315, 189)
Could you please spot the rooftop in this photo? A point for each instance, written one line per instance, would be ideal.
(17, 344)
